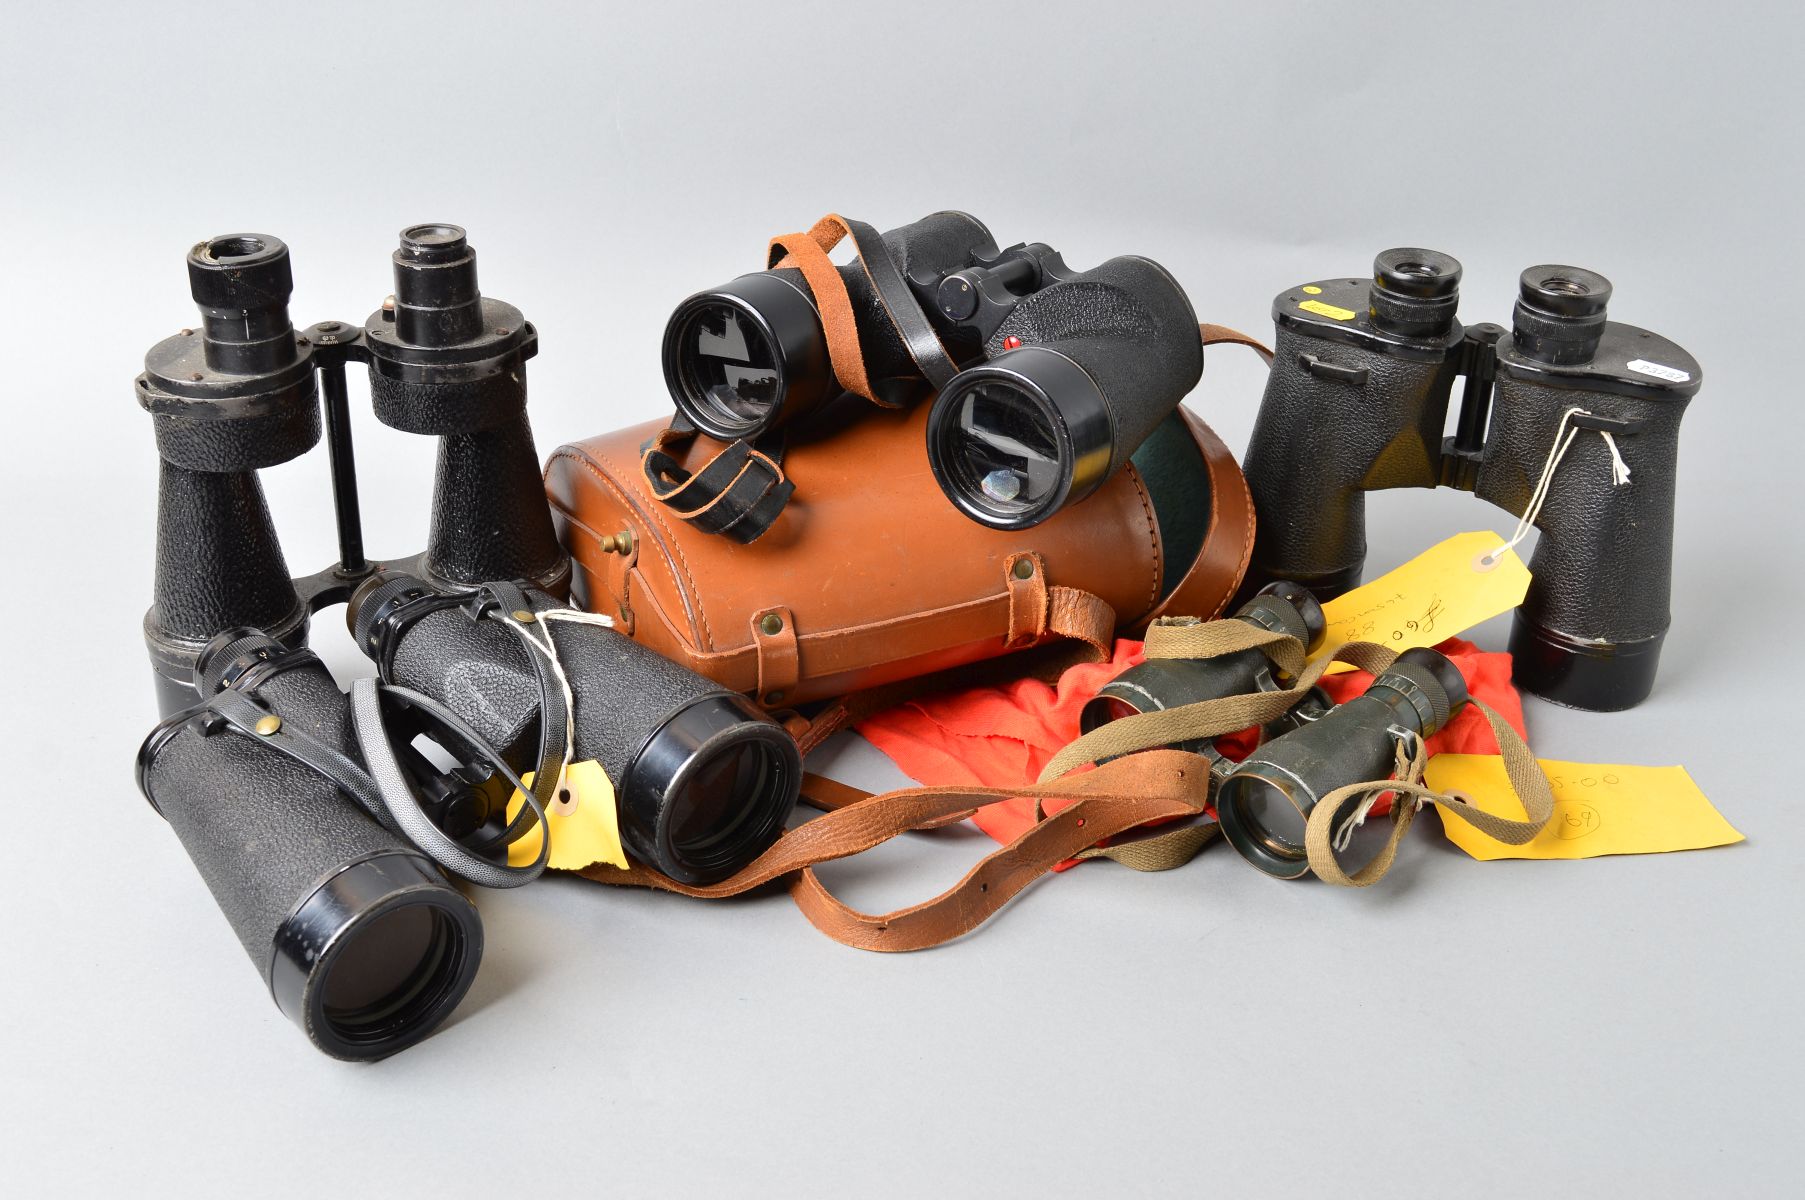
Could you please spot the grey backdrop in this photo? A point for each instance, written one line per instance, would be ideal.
(1506, 1028)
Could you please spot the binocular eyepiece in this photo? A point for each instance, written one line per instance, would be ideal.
(1265, 801)
(360, 940)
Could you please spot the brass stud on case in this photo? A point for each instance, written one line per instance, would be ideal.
(770, 624)
(267, 725)
(1024, 568)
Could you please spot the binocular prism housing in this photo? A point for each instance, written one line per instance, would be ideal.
(1357, 401)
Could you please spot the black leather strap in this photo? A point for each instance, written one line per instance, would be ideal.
(738, 493)
(899, 301)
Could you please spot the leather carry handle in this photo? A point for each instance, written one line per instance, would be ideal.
(1158, 785)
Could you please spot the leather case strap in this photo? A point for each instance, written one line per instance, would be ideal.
(1116, 797)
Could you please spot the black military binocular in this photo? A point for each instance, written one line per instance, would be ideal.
(1046, 379)
(243, 391)
(1567, 420)
(319, 825)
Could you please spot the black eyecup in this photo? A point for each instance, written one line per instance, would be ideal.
(1074, 406)
(1435, 677)
(1286, 607)
(786, 316)
(1415, 292)
(308, 942)
(687, 741)
(1560, 313)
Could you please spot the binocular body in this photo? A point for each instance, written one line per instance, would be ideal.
(1265, 801)
(703, 779)
(244, 391)
(1047, 379)
(1358, 401)
(359, 938)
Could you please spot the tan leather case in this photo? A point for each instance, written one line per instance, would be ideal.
(870, 575)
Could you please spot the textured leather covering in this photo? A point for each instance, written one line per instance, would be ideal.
(263, 830)
(480, 670)
(218, 561)
(1128, 324)
(1603, 566)
(489, 520)
(883, 578)
(1320, 445)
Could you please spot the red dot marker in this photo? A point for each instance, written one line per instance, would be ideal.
(1012, 343)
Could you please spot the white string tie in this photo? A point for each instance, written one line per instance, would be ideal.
(1564, 433)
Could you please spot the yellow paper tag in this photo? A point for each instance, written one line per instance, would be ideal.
(1599, 808)
(1444, 591)
(585, 825)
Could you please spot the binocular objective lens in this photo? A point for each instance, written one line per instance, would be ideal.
(391, 971)
(729, 365)
(1005, 456)
(1268, 816)
(724, 802)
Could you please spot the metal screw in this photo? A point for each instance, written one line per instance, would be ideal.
(330, 326)
(197, 377)
(770, 625)
(187, 333)
(504, 331)
(1024, 568)
(267, 725)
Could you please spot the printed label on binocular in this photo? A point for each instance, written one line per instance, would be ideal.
(1323, 308)
(1439, 594)
(1599, 809)
(1670, 374)
(585, 825)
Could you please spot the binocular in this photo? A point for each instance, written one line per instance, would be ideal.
(1264, 802)
(1556, 415)
(1052, 377)
(359, 938)
(1158, 684)
(319, 825)
(704, 780)
(243, 391)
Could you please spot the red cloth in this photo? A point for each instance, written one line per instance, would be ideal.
(1003, 736)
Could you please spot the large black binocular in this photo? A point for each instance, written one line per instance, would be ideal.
(1568, 420)
(317, 823)
(1054, 377)
(703, 779)
(359, 938)
(244, 391)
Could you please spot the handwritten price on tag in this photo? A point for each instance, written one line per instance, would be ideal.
(1440, 593)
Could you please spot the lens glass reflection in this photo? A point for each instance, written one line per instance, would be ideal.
(729, 365)
(384, 966)
(1003, 454)
(721, 803)
(1269, 816)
